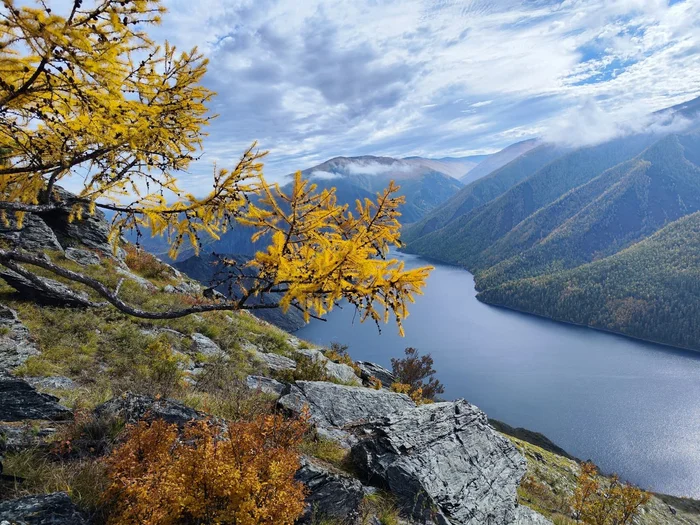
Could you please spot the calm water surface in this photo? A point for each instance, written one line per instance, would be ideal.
(631, 407)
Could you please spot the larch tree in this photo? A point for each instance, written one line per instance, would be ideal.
(88, 94)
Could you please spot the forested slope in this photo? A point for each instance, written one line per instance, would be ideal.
(650, 290)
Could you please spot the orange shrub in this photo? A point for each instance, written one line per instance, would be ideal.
(242, 476)
(609, 502)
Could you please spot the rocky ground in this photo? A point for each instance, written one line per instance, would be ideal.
(375, 456)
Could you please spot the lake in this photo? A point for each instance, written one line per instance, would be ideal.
(631, 407)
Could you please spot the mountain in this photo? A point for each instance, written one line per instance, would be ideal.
(621, 206)
(456, 167)
(650, 290)
(482, 191)
(462, 240)
(353, 178)
(498, 160)
(357, 177)
(559, 229)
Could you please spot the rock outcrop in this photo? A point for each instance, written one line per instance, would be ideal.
(132, 408)
(333, 407)
(45, 291)
(82, 257)
(267, 385)
(34, 235)
(47, 509)
(20, 401)
(444, 463)
(331, 494)
(374, 370)
(15, 345)
(274, 362)
(337, 371)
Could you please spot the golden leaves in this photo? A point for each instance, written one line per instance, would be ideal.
(321, 253)
(243, 475)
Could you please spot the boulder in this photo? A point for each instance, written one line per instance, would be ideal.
(275, 362)
(374, 370)
(15, 344)
(34, 235)
(46, 509)
(20, 401)
(332, 407)
(444, 463)
(267, 385)
(332, 494)
(527, 516)
(50, 292)
(82, 257)
(201, 344)
(133, 408)
(90, 230)
(342, 373)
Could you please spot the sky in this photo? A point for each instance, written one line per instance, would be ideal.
(314, 79)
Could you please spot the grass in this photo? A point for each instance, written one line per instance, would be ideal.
(326, 450)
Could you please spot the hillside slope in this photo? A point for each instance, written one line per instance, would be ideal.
(481, 192)
(460, 241)
(650, 290)
(620, 207)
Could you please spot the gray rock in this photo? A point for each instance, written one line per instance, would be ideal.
(141, 281)
(331, 494)
(47, 509)
(338, 371)
(332, 406)
(374, 370)
(15, 438)
(83, 257)
(267, 385)
(19, 401)
(201, 344)
(53, 382)
(50, 292)
(527, 516)
(444, 463)
(90, 230)
(342, 373)
(34, 235)
(15, 344)
(133, 408)
(275, 362)
(184, 287)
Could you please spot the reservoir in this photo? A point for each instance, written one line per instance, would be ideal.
(629, 406)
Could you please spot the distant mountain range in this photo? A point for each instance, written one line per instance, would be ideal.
(575, 233)
(425, 183)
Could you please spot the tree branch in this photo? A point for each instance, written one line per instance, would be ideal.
(8, 258)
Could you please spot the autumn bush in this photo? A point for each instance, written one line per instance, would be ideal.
(145, 264)
(243, 475)
(417, 372)
(606, 502)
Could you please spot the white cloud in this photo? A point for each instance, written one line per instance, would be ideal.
(313, 79)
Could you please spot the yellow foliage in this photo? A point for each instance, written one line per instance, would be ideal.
(87, 92)
(243, 476)
(322, 253)
(607, 503)
(416, 394)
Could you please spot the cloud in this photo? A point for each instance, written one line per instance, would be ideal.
(325, 175)
(377, 168)
(589, 124)
(315, 79)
